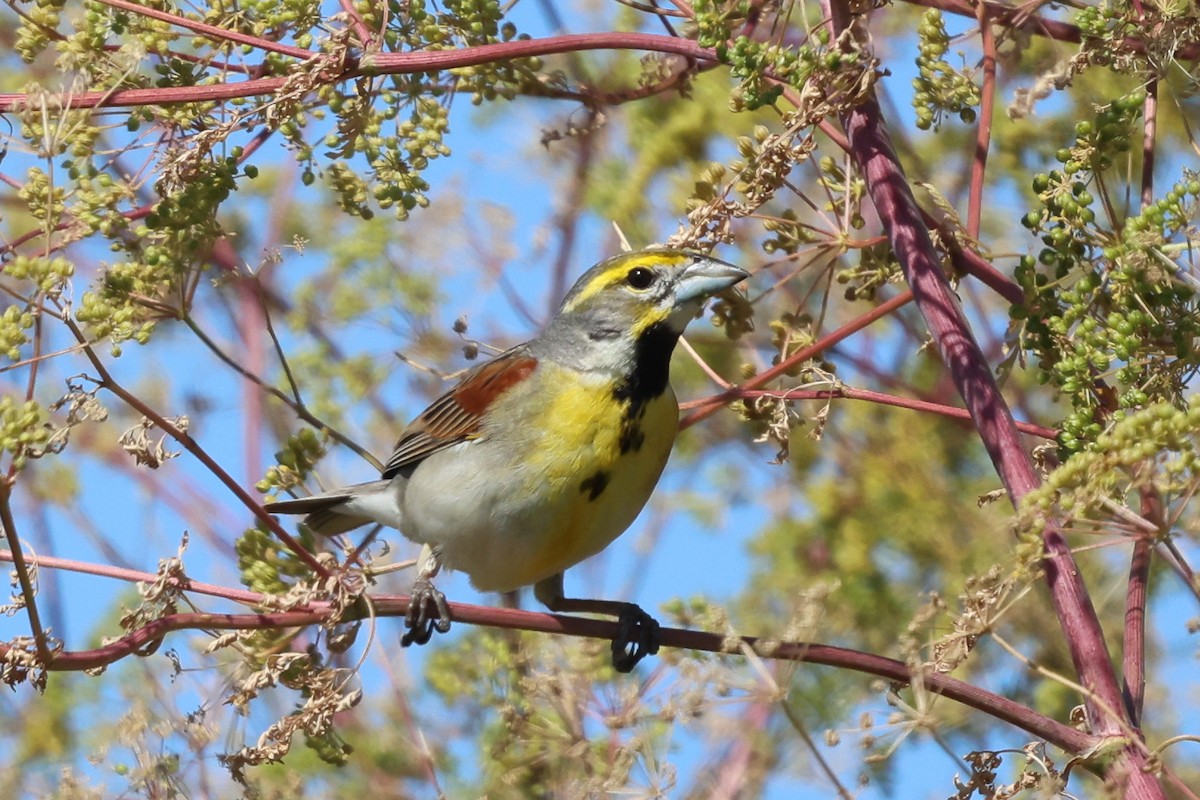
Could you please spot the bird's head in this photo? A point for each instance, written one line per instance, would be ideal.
(625, 299)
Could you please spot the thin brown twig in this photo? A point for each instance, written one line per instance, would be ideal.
(211, 31)
(802, 730)
(295, 404)
(106, 380)
(22, 569)
(711, 405)
(847, 393)
(983, 131)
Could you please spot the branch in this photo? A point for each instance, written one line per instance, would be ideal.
(1019, 18)
(1014, 17)
(983, 132)
(192, 446)
(893, 200)
(711, 405)
(847, 393)
(375, 64)
(19, 561)
(211, 31)
(1064, 736)
(1133, 672)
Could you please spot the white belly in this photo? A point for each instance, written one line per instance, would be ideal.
(525, 503)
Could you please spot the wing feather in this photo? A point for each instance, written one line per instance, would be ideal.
(457, 415)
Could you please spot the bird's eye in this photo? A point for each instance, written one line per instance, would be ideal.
(640, 278)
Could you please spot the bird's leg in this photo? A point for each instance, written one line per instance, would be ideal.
(638, 636)
(427, 608)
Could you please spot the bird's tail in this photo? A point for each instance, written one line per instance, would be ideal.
(344, 509)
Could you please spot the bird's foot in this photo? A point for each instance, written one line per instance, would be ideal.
(427, 611)
(637, 638)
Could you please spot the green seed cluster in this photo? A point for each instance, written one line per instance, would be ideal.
(328, 746)
(481, 22)
(764, 68)
(1137, 37)
(350, 188)
(110, 313)
(1106, 22)
(397, 125)
(716, 19)
(265, 566)
(25, 430)
(1108, 316)
(131, 295)
(939, 88)
(96, 199)
(876, 266)
(36, 21)
(846, 191)
(397, 159)
(789, 333)
(789, 235)
(77, 51)
(734, 314)
(47, 275)
(294, 462)
(724, 192)
(266, 18)
(44, 199)
(14, 323)
(401, 159)
(1158, 445)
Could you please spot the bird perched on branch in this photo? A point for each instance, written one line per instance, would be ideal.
(546, 454)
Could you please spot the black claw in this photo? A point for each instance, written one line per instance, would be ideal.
(427, 612)
(638, 637)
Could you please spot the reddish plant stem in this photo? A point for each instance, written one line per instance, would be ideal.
(1134, 658)
(846, 393)
(1014, 17)
(893, 200)
(134, 575)
(212, 31)
(381, 63)
(512, 619)
(968, 262)
(733, 773)
(357, 23)
(983, 131)
(1018, 17)
(185, 440)
(1149, 135)
(249, 325)
(711, 405)
(1133, 671)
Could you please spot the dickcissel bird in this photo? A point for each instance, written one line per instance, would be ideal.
(546, 454)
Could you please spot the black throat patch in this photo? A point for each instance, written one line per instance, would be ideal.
(647, 380)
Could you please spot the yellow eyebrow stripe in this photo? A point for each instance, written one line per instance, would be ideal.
(619, 269)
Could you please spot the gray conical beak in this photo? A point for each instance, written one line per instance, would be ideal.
(706, 276)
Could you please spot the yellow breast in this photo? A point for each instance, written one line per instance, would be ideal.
(591, 460)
